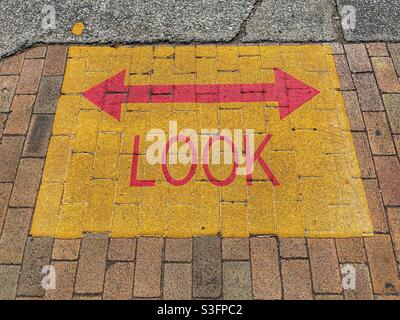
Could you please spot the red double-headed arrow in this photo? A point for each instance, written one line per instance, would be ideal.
(289, 92)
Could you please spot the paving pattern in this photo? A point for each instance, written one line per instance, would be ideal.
(255, 267)
(86, 187)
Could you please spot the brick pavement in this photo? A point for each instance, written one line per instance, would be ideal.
(262, 267)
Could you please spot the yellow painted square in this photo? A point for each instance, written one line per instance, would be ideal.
(86, 185)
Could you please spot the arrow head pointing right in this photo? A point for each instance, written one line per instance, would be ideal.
(292, 93)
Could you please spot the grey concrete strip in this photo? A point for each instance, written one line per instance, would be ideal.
(376, 20)
(121, 21)
(294, 20)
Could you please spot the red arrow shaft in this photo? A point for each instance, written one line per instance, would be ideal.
(210, 93)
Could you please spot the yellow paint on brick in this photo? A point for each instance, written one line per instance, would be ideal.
(66, 117)
(58, 159)
(74, 77)
(47, 209)
(86, 179)
(78, 180)
(107, 156)
(126, 221)
(87, 131)
(234, 220)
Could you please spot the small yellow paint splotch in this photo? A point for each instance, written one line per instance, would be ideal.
(78, 28)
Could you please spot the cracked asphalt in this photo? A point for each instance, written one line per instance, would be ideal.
(184, 21)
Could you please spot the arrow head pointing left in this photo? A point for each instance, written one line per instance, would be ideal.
(109, 95)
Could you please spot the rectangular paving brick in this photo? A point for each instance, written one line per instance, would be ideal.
(148, 268)
(92, 264)
(364, 155)
(122, 249)
(5, 193)
(207, 267)
(368, 93)
(178, 250)
(8, 86)
(13, 238)
(12, 65)
(293, 247)
(394, 224)
(394, 49)
(8, 281)
(55, 60)
(177, 281)
(21, 110)
(265, 268)
(66, 249)
(375, 205)
(392, 106)
(351, 250)
(30, 76)
(26, 183)
(38, 137)
(353, 111)
(235, 249)
(119, 281)
(296, 279)
(328, 297)
(379, 134)
(357, 56)
(346, 81)
(337, 48)
(36, 52)
(3, 120)
(382, 264)
(37, 255)
(363, 287)
(48, 94)
(388, 170)
(237, 280)
(65, 279)
(324, 265)
(378, 49)
(386, 75)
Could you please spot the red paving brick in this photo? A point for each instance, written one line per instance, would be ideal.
(351, 250)
(394, 224)
(119, 281)
(65, 279)
(377, 49)
(382, 264)
(30, 76)
(357, 56)
(265, 268)
(296, 278)
(92, 264)
(148, 268)
(386, 75)
(324, 265)
(388, 170)
(12, 65)
(379, 133)
(375, 205)
(20, 116)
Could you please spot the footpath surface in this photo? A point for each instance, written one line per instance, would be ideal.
(80, 191)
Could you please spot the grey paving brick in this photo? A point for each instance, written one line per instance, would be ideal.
(49, 91)
(37, 255)
(237, 280)
(92, 264)
(38, 137)
(207, 267)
